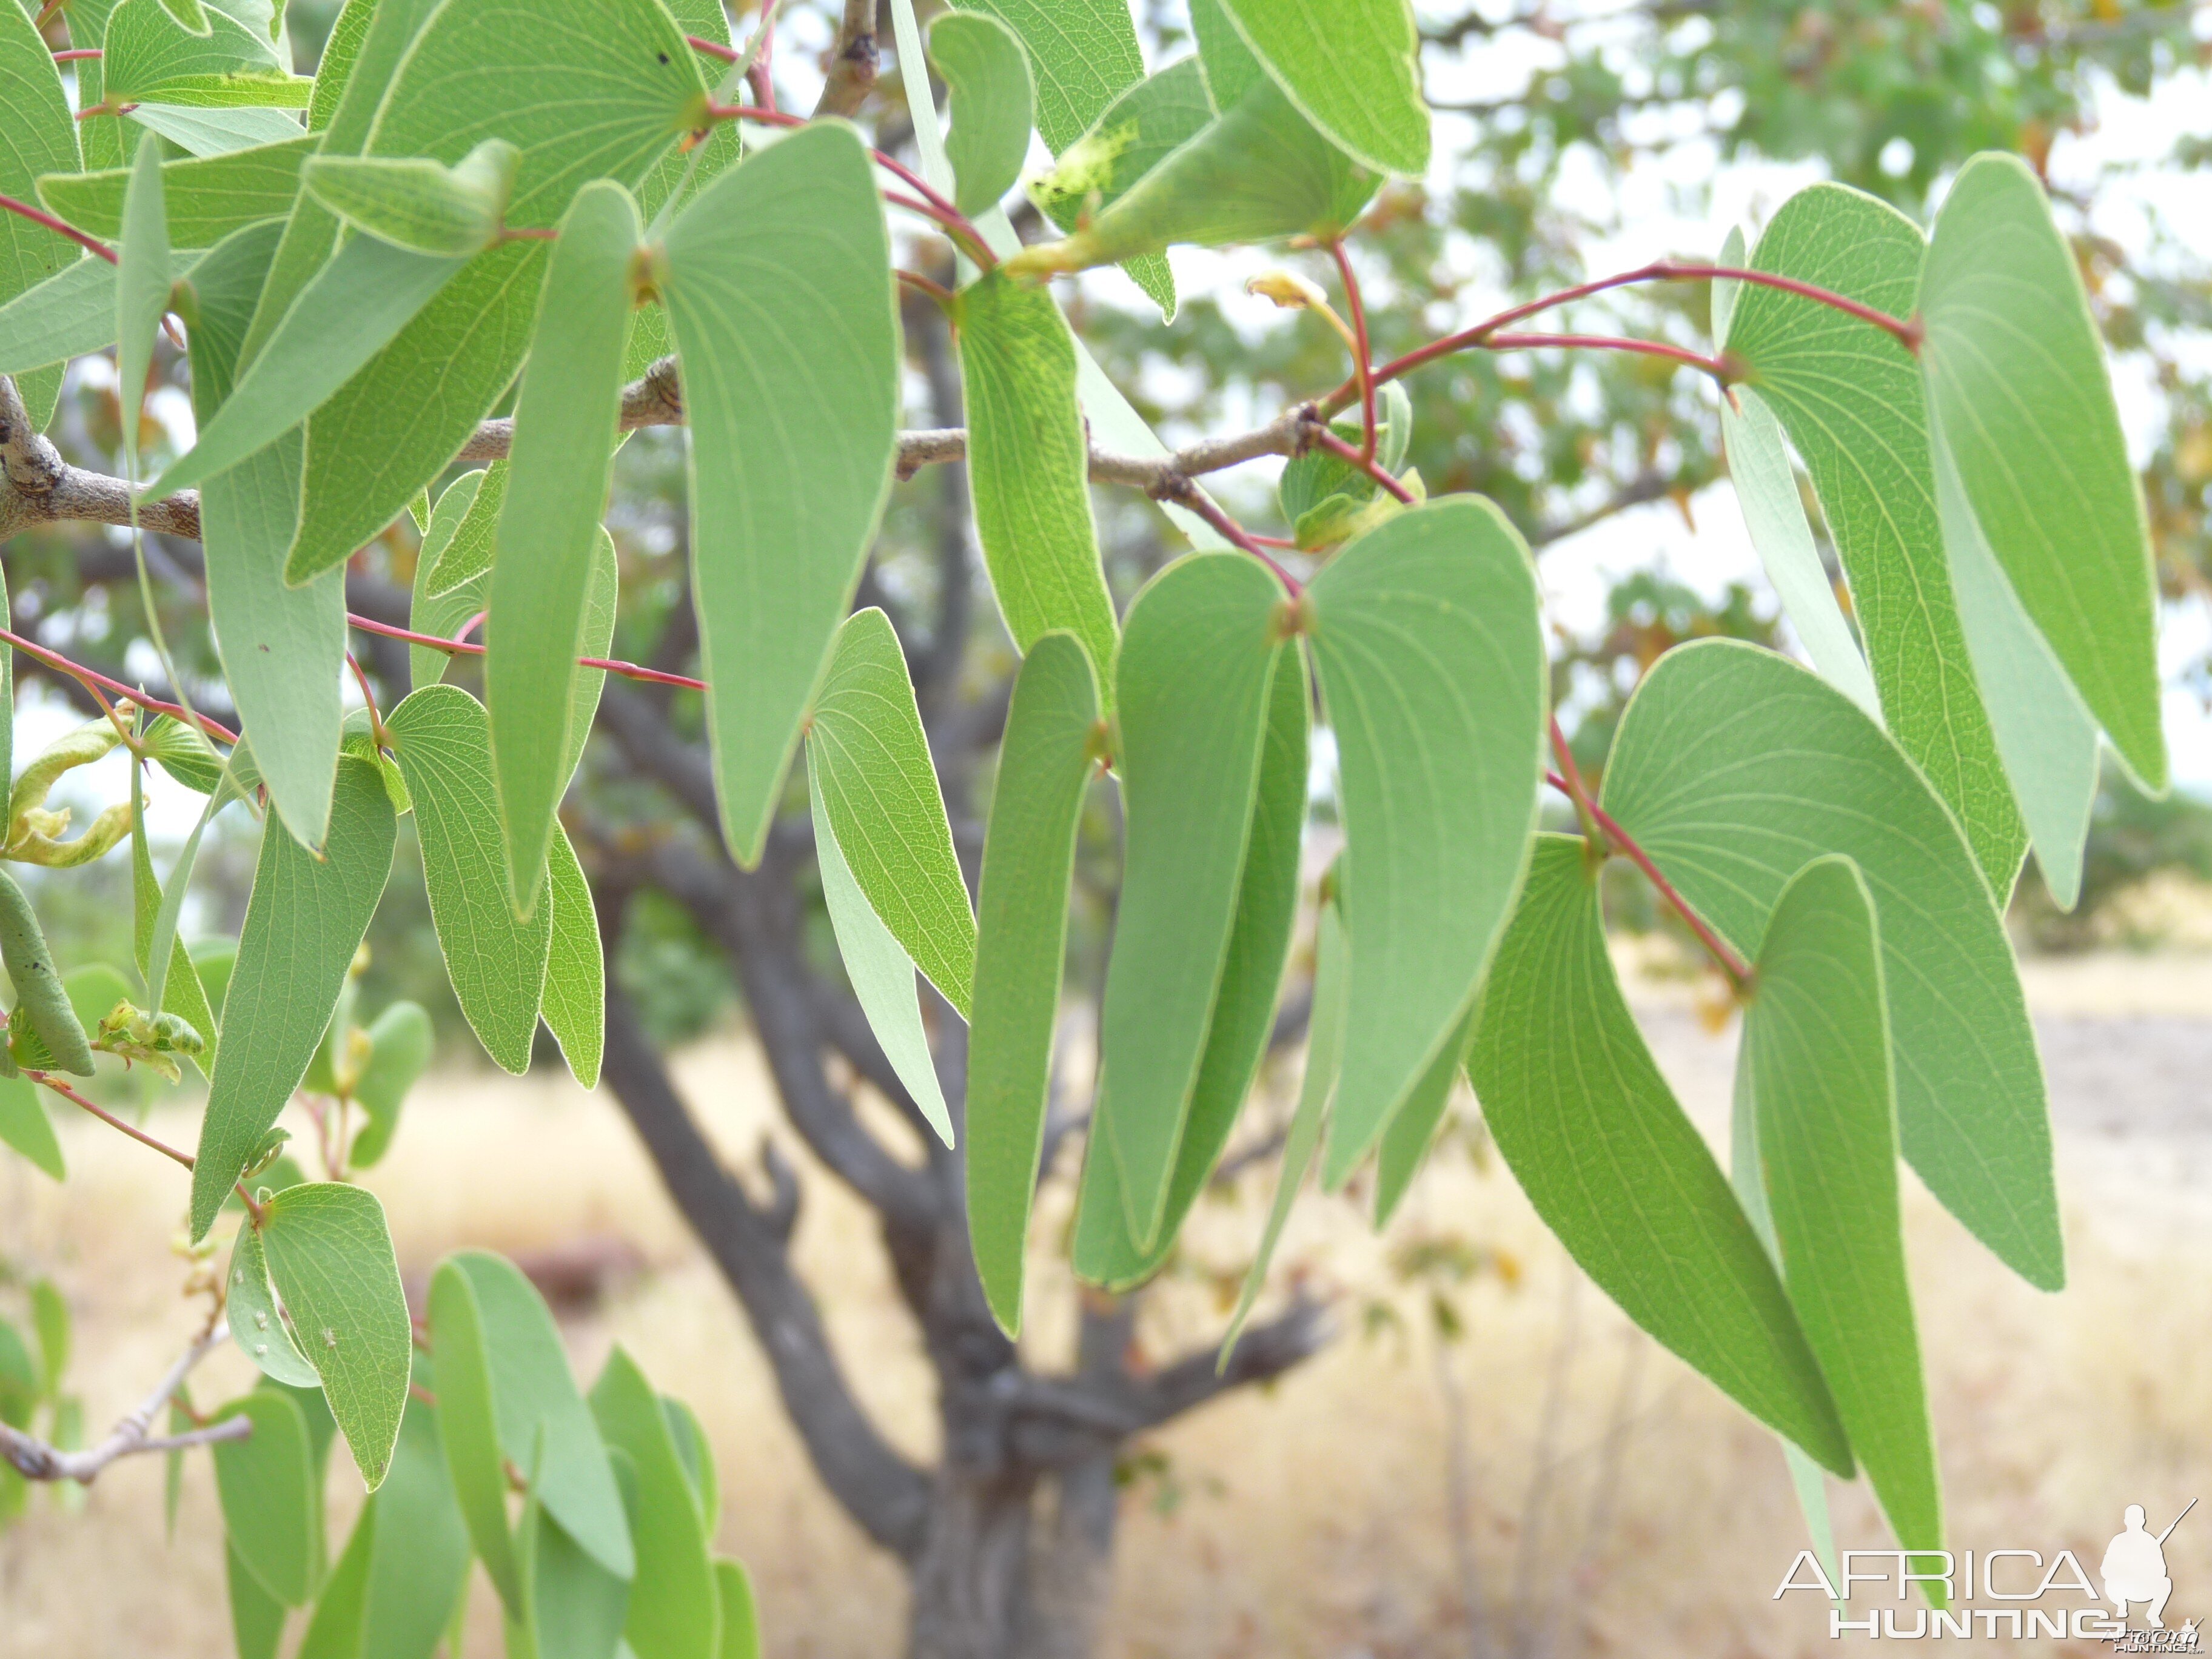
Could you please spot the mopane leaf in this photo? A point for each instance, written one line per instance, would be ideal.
(1231, 69)
(1257, 172)
(697, 1454)
(2048, 739)
(1136, 133)
(1405, 1144)
(576, 1607)
(1243, 1009)
(1324, 1050)
(1816, 1052)
(549, 522)
(256, 1618)
(342, 54)
(675, 1612)
(468, 1426)
(871, 762)
(304, 920)
(574, 1003)
(142, 284)
(282, 647)
(418, 203)
(585, 89)
(441, 613)
(1046, 760)
(988, 74)
(533, 1396)
(401, 1040)
(1352, 67)
(330, 1256)
(2018, 383)
(25, 1126)
(1197, 660)
(334, 1630)
(272, 1508)
(442, 738)
(1732, 766)
(878, 965)
(1851, 398)
(366, 294)
(418, 1560)
(149, 58)
(37, 136)
(458, 545)
(69, 315)
(1593, 1134)
(1766, 488)
(208, 197)
(198, 132)
(778, 275)
(741, 1637)
(1434, 675)
(257, 1324)
(1028, 465)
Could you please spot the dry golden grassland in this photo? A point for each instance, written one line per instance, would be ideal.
(1615, 1503)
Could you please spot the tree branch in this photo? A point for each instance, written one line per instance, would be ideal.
(34, 1460)
(853, 60)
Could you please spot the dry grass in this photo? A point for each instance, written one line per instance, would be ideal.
(1313, 1520)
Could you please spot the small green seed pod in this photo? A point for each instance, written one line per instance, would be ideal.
(40, 1001)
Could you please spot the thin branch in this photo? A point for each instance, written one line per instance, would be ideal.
(461, 648)
(35, 1460)
(1362, 357)
(854, 61)
(108, 1117)
(1719, 368)
(60, 227)
(1737, 971)
(93, 680)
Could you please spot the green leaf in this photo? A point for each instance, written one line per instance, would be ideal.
(779, 274)
(576, 1606)
(1256, 173)
(1583, 1118)
(1244, 1008)
(256, 1618)
(401, 1042)
(458, 545)
(2047, 739)
(1133, 134)
(1851, 398)
(1732, 766)
(988, 74)
(585, 89)
(271, 1507)
(549, 523)
(69, 315)
(212, 131)
(25, 1126)
(1766, 488)
(697, 1453)
(1028, 467)
(257, 1324)
(2017, 383)
(741, 1637)
(149, 58)
(441, 612)
(95, 988)
(334, 1630)
(416, 204)
(573, 1003)
(208, 197)
(1197, 660)
(188, 13)
(1322, 495)
(19, 1378)
(1083, 53)
(330, 1256)
(674, 1610)
(8, 696)
(342, 54)
(282, 647)
(533, 1393)
(166, 959)
(1816, 1050)
(364, 297)
(1432, 665)
(43, 1015)
(879, 967)
(418, 1561)
(1324, 1052)
(1231, 69)
(877, 782)
(49, 1318)
(37, 136)
(304, 920)
(442, 738)
(142, 288)
(1405, 1144)
(1352, 67)
(1046, 760)
(468, 1426)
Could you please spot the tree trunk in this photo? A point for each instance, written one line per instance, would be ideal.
(971, 1581)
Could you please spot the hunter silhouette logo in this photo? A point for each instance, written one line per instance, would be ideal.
(2134, 1568)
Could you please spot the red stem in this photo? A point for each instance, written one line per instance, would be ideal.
(1200, 503)
(1365, 463)
(108, 1117)
(89, 677)
(1906, 332)
(1712, 366)
(75, 54)
(463, 648)
(713, 48)
(38, 216)
(1363, 367)
(1733, 966)
(117, 110)
(470, 626)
